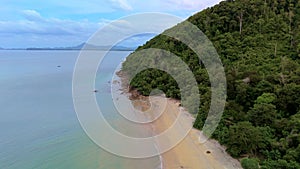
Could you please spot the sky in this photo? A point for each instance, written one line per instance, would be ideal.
(62, 23)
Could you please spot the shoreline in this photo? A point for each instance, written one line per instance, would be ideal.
(141, 102)
(188, 153)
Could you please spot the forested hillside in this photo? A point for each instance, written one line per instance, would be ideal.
(259, 44)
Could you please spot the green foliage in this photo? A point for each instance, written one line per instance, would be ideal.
(249, 163)
(245, 138)
(259, 44)
(282, 164)
(266, 98)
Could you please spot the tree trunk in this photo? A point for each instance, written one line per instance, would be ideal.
(291, 15)
(265, 7)
(241, 22)
(275, 52)
(291, 33)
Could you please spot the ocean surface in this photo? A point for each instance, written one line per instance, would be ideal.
(39, 128)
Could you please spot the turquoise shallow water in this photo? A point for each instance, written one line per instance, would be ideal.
(38, 124)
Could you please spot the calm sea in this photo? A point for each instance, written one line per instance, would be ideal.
(38, 124)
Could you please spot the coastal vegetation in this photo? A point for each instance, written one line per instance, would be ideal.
(258, 42)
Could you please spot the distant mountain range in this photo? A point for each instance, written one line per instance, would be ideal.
(84, 46)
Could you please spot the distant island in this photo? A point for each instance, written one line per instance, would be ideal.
(81, 46)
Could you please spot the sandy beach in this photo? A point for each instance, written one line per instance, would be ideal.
(189, 153)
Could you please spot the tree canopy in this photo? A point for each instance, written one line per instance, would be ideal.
(259, 44)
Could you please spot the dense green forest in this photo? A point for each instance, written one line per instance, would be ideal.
(259, 44)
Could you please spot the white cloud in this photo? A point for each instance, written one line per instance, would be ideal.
(52, 31)
(190, 4)
(123, 4)
(49, 31)
(135, 24)
(34, 23)
(32, 15)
